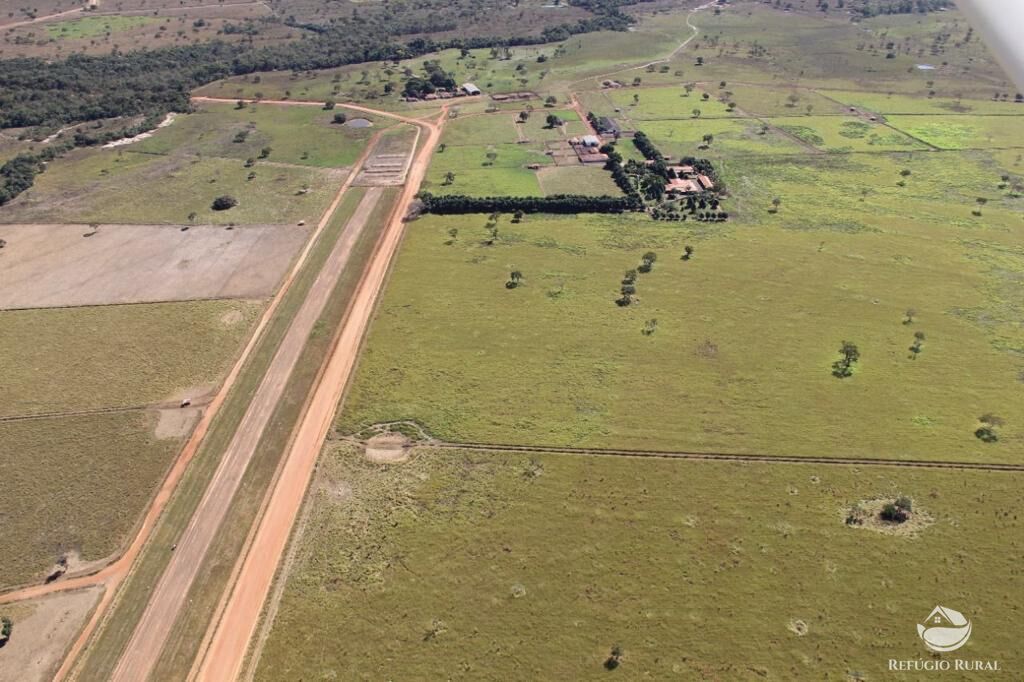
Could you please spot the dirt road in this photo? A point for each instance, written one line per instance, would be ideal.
(111, 576)
(230, 635)
(168, 598)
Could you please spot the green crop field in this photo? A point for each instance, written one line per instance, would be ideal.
(75, 484)
(302, 136)
(462, 565)
(114, 186)
(69, 359)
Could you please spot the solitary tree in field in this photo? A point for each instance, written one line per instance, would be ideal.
(517, 216)
(696, 112)
(449, 178)
(687, 252)
(981, 202)
(514, 278)
(240, 104)
(793, 99)
(689, 88)
(650, 326)
(339, 117)
(329, 104)
(191, 217)
(553, 121)
(636, 99)
(492, 156)
(223, 203)
(776, 202)
(908, 317)
(524, 116)
(843, 367)
(708, 139)
(550, 101)
(265, 152)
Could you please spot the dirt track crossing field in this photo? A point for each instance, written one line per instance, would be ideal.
(168, 598)
(56, 265)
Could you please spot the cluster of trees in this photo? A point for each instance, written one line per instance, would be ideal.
(628, 289)
(871, 8)
(843, 368)
(897, 511)
(988, 431)
(915, 348)
(453, 204)
(619, 174)
(435, 78)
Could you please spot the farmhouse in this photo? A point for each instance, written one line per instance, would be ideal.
(683, 186)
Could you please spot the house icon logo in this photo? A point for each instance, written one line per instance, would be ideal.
(944, 629)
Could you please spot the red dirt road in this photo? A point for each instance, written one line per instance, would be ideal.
(230, 635)
(114, 574)
(168, 598)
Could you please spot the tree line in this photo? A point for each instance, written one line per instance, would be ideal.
(451, 204)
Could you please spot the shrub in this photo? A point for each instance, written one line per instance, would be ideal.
(224, 202)
(893, 514)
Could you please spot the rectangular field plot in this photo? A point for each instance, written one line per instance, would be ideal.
(741, 136)
(573, 555)
(465, 157)
(845, 134)
(75, 484)
(585, 180)
(745, 335)
(486, 182)
(57, 265)
(780, 100)
(964, 132)
(73, 359)
(298, 135)
(115, 186)
(644, 104)
(481, 129)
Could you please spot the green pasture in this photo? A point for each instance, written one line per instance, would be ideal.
(845, 134)
(87, 358)
(95, 27)
(642, 104)
(536, 128)
(116, 186)
(74, 484)
(780, 100)
(464, 565)
(774, 303)
(482, 129)
(731, 137)
(466, 157)
(587, 180)
(303, 136)
(941, 104)
(485, 182)
(964, 132)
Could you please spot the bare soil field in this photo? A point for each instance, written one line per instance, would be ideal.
(43, 629)
(57, 265)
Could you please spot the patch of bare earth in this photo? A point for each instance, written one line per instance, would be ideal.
(867, 514)
(176, 422)
(387, 448)
(43, 630)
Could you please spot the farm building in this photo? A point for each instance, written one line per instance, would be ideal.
(590, 141)
(607, 126)
(470, 89)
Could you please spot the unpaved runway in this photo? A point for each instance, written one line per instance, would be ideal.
(167, 599)
(230, 635)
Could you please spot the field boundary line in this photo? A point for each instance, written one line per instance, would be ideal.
(726, 457)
